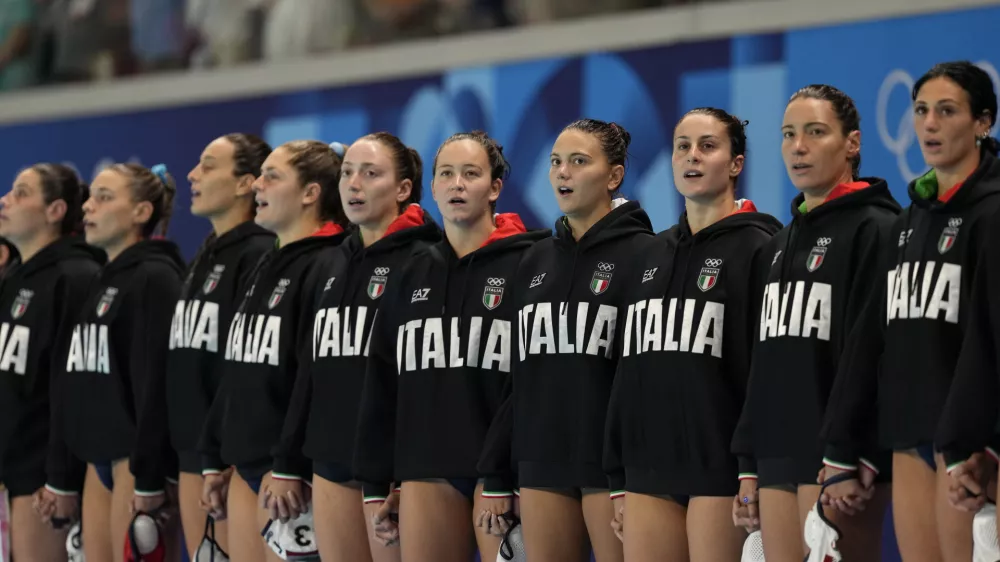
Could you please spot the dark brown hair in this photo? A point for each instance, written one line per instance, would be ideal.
(316, 162)
(62, 182)
(249, 153)
(158, 189)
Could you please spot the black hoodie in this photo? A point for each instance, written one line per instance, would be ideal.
(323, 413)
(686, 344)
(201, 320)
(440, 357)
(39, 303)
(115, 373)
(262, 357)
(900, 359)
(812, 281)
(969, 420)
(569, 294)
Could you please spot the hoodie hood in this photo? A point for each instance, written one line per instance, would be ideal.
(625, 219)
(414, 225)
(163, 251)
(746, 215)
(862, 193)
(509, 235)
(240, 234)
(983, 182)
(412, 217)
(65, 248)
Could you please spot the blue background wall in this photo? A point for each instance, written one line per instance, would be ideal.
(525, 105)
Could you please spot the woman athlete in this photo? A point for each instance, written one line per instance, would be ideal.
(811, 298)
(687, 336)
(380, 189)
(220, 192)
(440, 357)
(297, 200)
(41, 295)
(903, 356)
(114, 379)
(571, 287)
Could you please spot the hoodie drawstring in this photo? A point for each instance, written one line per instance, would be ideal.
(465, 290)
(791, 246)
(254, 277)
(569, 286)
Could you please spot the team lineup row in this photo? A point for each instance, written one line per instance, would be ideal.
(361, 383)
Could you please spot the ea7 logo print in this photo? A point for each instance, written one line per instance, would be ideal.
(212, 281)
(818, 254)
(536, 280)
(949, 234)
(419, 295)
(104, 305)
(648, 274)
(376, 285)
(493, 292)
(709, 276)
(904, 237)
(602, 278)
(21, 303)
(279, 291)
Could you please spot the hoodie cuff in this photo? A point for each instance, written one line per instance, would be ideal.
(498, 487)
(212, 464)
(953, 458)
(149, 486)
(284, 468)
(375, 492)
(747, 467)
(69, 483)
(843, 458)
(61, 492)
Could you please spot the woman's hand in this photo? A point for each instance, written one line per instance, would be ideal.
(491, 518)
(745, 506)
(214, 492)
(285, 499)
(385, 519)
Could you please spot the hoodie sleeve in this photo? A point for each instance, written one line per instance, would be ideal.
(612, 462)
(742, 445)
(64, 472)
(289, 461)
(851, 410)
(375, 450)
(152, 459)
(495, 463)
(969, 418)
(209, 444)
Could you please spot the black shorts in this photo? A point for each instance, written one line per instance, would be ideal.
(24, 473)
